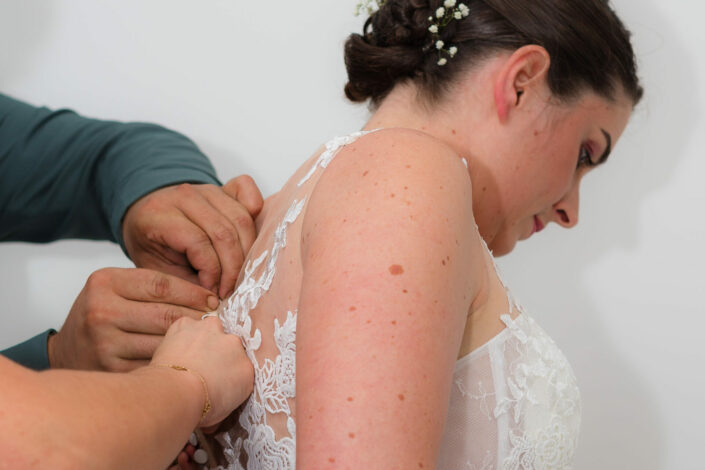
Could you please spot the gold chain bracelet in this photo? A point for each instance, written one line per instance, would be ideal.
(207, 403)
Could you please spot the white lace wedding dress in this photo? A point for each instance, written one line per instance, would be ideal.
(514, 402)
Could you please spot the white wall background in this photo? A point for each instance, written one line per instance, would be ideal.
(258, 85)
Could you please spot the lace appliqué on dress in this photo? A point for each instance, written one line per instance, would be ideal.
(275, 380)
(542, 402)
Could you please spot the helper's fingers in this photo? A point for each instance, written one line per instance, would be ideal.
(222, 233)
(245, 227)
(138, 347)
(145, 285)
(244, 189)
(177, 265)
(180, 233)
(152, 318)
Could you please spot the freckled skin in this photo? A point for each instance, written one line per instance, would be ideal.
(352, 309)
(391, 195)
(443, 262)
(394, 322)
(331, 460)
(405, 291)
(351, 435)
(401, 397)
(365, 173)
(396, 269)
(350, 398)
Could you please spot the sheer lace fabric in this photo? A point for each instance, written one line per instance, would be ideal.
(514, 402)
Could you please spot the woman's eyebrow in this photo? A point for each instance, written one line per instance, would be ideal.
(608, 148)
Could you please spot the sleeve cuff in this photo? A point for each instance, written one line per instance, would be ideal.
(32, 353)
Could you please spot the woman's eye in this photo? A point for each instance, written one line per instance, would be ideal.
(584, 158)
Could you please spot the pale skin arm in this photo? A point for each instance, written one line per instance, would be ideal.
(73, 419)
(390, 272)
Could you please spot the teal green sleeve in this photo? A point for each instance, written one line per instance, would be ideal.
(66, 176)
(32, 353)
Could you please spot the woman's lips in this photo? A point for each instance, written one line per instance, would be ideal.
(538, 225)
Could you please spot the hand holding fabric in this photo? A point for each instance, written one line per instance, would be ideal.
(204, 348)
(120, 317)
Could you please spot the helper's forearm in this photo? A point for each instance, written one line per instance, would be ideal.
(72, 419)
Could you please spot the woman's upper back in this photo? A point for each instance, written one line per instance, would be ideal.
(265, 310)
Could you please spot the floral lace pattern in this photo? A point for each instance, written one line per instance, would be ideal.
(519, 387)
(275, 380)
(543, 400)
(275, 377)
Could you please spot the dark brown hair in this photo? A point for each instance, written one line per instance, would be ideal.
(588, 45)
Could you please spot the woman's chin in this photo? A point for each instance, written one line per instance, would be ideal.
(502, 246)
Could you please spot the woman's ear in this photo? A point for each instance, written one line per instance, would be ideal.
(523, 73)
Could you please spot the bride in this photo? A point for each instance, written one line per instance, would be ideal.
(370, 306)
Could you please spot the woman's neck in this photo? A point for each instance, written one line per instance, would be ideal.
(445, 120)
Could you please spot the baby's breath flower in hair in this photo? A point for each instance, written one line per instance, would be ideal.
(451, 10)
(370, 6)
(444, 15)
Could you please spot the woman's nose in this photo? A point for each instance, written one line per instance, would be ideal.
(565, 211)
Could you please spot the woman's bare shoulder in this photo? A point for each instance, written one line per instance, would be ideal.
(406, 147)
(399, 190)
(387, 158)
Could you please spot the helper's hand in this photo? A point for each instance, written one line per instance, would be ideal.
(220, 359)
(201, 233)
(120, 317)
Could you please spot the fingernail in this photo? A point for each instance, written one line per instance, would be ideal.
(213, 302)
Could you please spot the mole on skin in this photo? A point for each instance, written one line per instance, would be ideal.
(401, 397)
(396, 269)
(352, 309)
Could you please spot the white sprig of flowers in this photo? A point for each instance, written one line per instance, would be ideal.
(444, 15)
(451, 10)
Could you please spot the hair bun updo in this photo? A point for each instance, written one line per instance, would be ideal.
(390, 49)
(587, 42)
